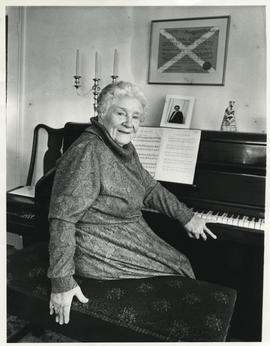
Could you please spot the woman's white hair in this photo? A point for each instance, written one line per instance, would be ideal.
(115, 91)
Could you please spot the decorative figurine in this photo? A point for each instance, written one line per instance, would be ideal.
(229, 122)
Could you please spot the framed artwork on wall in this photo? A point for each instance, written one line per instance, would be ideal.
(189, 51)
(177, 111)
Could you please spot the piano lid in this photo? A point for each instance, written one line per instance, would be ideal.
(245, 151)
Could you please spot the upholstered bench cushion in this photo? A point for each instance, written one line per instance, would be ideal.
(168, 308)
(21, 210)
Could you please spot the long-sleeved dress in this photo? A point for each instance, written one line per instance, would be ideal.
(96, 224)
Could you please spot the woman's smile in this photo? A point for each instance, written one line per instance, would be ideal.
(125, 132)
(122, 120)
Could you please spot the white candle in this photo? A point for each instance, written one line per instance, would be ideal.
(96, 65)
(115, 63)
(77, 62)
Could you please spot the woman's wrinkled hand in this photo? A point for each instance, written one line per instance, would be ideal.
(60, 304)
(197, 228)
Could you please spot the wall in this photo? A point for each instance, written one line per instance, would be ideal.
(15, 94)
(52, 35)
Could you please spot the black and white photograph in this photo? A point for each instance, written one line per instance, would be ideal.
(134, 142)
(177, 111)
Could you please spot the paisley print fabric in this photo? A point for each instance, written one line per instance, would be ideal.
(96, 224)
(169, 308)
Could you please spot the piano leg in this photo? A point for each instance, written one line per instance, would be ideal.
(243, 269)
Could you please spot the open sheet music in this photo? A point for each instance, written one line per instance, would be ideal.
(168, 154)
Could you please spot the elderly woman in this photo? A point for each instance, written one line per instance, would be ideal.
(96, 224)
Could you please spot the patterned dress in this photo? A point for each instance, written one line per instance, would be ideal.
(96, 224)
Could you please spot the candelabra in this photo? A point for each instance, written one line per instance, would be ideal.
(114, 78)
(77, 82)
(95, 88)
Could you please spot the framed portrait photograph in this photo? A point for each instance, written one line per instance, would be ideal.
(177, 111)
(189, 51)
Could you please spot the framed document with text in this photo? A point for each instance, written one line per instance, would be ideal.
(189, 51)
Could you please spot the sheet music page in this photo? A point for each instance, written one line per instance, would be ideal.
(27, 191)
(147, 143)
(178, 155)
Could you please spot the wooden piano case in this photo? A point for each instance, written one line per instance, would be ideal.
(229, 178)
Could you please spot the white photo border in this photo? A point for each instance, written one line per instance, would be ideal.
(186, 104)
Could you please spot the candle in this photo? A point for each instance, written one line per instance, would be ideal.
(77, 62)
(115, 63)
(96, 65)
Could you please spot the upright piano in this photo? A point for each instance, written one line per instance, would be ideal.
(229, 192)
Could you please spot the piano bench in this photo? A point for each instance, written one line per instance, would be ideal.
(21, 220)
(167, 308)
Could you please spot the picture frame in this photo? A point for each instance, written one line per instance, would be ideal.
(190, 51)
(177, 111)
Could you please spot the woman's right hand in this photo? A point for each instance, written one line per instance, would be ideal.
(60, 303)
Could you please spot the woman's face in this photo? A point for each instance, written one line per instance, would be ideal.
(122, 119)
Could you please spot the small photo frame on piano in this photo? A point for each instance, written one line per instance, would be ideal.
(177, 111)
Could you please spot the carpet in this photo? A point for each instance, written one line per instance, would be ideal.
(14, 325)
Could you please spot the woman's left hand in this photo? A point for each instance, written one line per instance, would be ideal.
(197, 228)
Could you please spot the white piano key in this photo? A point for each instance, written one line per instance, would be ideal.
(235, 220)
(222, 218)
(262, 225)
(252, 223)
(246, 222)
(214, 216)
(257, 225)
(225, 218)
(230, 220)
(241, 222)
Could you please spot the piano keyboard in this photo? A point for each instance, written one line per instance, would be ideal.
(233, 220)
